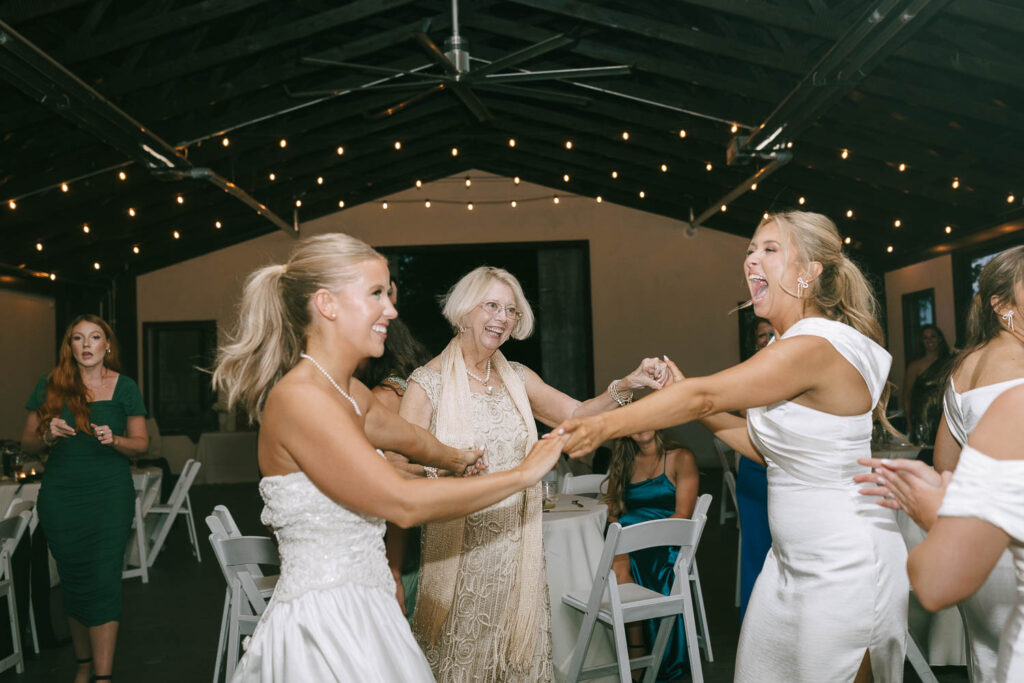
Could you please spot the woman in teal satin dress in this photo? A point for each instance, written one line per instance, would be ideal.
(92, 419)
(649, 479)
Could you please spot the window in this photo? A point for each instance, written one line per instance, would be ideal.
(177, 391)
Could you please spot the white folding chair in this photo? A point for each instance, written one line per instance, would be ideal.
(179, 504)
(703, 632)
(614, 605)
(584, 483)
(920, 663)
(141, 483)
(16, 508)
(246, 599)
(727, 458)
(11, 531)
(729, 479)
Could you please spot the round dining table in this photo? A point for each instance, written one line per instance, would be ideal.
(573, 541)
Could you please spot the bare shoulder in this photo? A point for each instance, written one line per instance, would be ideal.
(680, 456)
(997, 433)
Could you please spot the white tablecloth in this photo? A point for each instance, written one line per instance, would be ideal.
(227, 458)
(573, 540)
(10, 489)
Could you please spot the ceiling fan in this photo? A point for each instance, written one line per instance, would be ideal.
(458, 76)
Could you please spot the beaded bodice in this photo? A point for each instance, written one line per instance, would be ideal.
(321, 543)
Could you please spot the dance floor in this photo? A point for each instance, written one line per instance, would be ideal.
(169, 631)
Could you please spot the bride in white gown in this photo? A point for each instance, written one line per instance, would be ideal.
(303, 328)
(831, 602)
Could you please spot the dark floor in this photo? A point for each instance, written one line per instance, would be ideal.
(170, 625)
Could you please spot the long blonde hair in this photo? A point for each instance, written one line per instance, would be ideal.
(841, 292)
(275, 314)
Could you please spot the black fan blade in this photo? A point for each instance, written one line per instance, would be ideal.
(472, 102)
(520, 56)
(394, 109)
(435, 52)
(545, 95)
(585, 72)
(369, 69)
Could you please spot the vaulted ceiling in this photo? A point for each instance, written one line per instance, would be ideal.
(892, 110)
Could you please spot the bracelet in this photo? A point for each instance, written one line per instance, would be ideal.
(431, 471)
(620, 398)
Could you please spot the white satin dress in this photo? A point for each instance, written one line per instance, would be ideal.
(984, 613)
(334, 616)
(834, 585)
(993, 491)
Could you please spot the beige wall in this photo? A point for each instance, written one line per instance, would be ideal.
(654, 291)
(27, 352)
(936, 273)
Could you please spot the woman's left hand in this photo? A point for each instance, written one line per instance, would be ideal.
(469, 461)
(585, 434)
(103, 434)
(652, 373)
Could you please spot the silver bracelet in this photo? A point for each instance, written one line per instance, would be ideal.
(431, 471)
(618, 397)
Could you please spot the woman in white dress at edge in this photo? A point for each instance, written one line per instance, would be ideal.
(303, 328)
(972, 515)
(831, 601)
(991, 363)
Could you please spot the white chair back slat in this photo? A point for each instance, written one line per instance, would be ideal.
(584, 483)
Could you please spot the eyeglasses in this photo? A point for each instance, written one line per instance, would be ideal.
(492, 308)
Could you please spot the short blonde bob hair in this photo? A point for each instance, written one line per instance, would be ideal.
(468, 293)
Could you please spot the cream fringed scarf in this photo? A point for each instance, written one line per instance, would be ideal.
(442, 541)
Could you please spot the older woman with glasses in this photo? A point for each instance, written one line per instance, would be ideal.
(482, 610)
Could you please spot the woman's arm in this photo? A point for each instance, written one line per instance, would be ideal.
(732, 430)
(687, 480)
(305, 427)
(30, 441)
(551, 406)
(947, 451)
(395, 540)
(786, 369)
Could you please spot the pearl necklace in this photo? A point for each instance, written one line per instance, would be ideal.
(333, 383)
(486, 378)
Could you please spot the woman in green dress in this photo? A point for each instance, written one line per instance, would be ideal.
(92, 419)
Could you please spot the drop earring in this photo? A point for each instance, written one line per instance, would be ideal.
(801, 285)
(1008, 319)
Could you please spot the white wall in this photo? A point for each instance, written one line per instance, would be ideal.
(654, 291)
(27, 352)
(935, 273)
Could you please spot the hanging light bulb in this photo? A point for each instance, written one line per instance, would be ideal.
(625, 135)
(956, 183)
(511, 142)
(298, 203)
(949, 229)
(897, 223)
(85, 228)
(888, 249)
(789, 145)
(753, 186)
(615, 174)
(95, 265)
(39, 246)
(599, 199)
(1010, 198)
(801, 201)
(341, 204)
(469, 206)
(340, 150)
(63, 187)
(764, 216)
(513, 203)
(565, 178)
(682, 133)
(180, 199)
(455, 151)
(273, 177)
(555, 199)
(135, 247)
(53, 276)
(642, 194)
(849, 213)
(122, 175)
(319, 180)
(708, 166)
(427, 203)
(845, 154)
(225, 142)
(12, 205)
(724, 208)
(283, 143)
(664, 168)
(516, 180)
(847, 240)
(568, 144)
(131, 212)
(218, 225)
(902, 167)
(398, 145)
(469, 182)
(734, 128)
(176, 235)
(419, 183)
(384, 205)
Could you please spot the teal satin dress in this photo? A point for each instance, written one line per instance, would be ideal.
(86, 503)
(652, 568)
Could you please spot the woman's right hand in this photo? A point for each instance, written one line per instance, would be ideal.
(59, 429)
(542, 458)
(468, 461)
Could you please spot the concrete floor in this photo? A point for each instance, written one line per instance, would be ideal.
(170, 625)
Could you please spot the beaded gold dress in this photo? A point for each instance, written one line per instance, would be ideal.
(467, 647)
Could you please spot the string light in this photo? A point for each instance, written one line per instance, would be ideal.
(753, 186)
(664, 168)
(682, 133)
(122, 175)
(724, 207)
(625, 135)
(455, 151)
(12, 205)
(427, 203)
(131, 212)
(642, 194)
(789, 145)
(53, 276)
(708, 166)
(384, 205)
(845, 154)
(176, 235)
(468, 181)
(555, 199)
(469, 206)
(849, 213)
(949, 229)
(734, 128)
(565, 179)
(568, 144)
(298, 203)
(764, 216)
(135, 248)
(218, 225)
(283, 143)
(599, 199)
(319, 180)
(847, 240)
(273, 177)
(341, 204)
(615, 174)
(180, 199)
(63, 187)
(85, 228)
(1010, 198)
(897, 223)
(902, 167)
(801, 201)
(340, 150)
(888, 249)
(398, 145)
(511, 142)
(514, 203)
(39, 246)
(225, 142)
(956, 183)
(516, 180)
(419, 183)
(96, 265)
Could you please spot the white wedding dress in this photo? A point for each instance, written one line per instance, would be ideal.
(984, 613)
(834, 585)
(334, 616)
(993, 491)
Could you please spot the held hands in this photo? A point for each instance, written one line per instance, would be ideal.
(469, 461)
(103, 434)
(653, 373)
(583, 435)
(908, 485)
(543, 457)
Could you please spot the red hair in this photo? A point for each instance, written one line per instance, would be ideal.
(64, 385)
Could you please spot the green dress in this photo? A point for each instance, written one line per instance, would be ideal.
(86, 503)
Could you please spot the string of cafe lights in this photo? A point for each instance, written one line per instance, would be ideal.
(397, 145)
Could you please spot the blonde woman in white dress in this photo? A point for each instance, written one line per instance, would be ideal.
(482, 609)
(831, 601)
(303, 328)
(991, 363)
